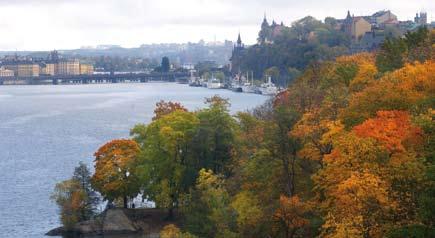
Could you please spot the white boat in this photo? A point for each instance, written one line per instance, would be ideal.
(268, 88)
(194, 81)
(249, 87)
(236, 86)
(214, 83)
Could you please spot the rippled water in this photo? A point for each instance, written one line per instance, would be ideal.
(46, 130)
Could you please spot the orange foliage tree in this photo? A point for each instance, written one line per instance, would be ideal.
(392, 128)
(371, 179)
(115, 175)
(289, 216)
(409, 89)
(164, 108)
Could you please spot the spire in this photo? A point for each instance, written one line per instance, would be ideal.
(265, 23)
(348, 14)
(239, 40)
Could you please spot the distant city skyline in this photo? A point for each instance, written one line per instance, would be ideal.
(63, 24)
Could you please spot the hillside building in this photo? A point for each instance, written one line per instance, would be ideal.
(383, 17)
(236, 57)
(421, 19)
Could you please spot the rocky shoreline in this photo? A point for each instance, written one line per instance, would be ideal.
(119, 222)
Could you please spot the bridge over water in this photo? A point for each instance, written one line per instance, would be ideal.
(97, 78)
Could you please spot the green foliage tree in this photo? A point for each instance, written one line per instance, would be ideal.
(207, 210)
(83, 176)
(165, 163)
(213, 141)
(392, 55)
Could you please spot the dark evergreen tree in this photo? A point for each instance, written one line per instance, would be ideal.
(83, 176)
(165, 65)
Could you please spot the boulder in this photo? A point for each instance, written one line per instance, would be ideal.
(116, 222)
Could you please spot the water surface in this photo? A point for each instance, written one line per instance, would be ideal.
(46, 130)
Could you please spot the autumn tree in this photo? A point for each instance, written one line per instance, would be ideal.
(115, 170)
(348, 208)
(408, 89)
(164, 108)
(249, 213)
(290, 217)
(393, 129)
(82, 175)
(213, 141)
(70, 198)
(75, 198)
(207, 208)
(371, 179)
(166, 165)
(172, 231)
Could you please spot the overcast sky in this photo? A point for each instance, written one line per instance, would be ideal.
(69, 24)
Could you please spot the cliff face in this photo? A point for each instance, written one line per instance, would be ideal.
(119, 222)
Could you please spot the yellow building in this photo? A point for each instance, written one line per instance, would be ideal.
(86, 69)
(359, 27)
(6, 72)
(68, 67)
(13, 67)
(49, 69)
(28, 70)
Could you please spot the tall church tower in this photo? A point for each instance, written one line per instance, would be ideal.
(239, 42)
(237, 55)
(265, 31)
(347, 24)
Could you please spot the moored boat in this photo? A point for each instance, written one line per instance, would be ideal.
(268, 88)
(214, 83)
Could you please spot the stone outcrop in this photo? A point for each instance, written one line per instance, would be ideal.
(147, 222)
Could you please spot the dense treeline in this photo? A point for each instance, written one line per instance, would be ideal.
(294, 48)
(346, 151)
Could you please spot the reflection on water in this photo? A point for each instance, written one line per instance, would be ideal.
(46, 130)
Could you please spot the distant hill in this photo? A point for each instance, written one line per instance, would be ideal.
(186, 53)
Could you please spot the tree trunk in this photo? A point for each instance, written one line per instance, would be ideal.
(125, 202)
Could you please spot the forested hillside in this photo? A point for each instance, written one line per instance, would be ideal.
(291, 49)
(346, 151)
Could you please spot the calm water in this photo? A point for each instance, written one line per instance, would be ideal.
(46, 130)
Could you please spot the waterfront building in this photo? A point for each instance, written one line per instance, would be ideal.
(6, 72)
(86, 69)
(13, 67)
(48, 69)
(28, 69)
(68, 67)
